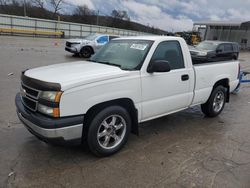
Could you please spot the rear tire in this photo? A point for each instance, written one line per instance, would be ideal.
(216, 102)
(109, 131)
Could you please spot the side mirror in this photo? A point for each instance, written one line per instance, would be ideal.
(158, 66)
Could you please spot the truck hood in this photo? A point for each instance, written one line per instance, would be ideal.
(73, 74)
(199, 50)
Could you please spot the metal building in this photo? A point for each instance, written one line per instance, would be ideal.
(225, 31)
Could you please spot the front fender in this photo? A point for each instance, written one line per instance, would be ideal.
(79, 100)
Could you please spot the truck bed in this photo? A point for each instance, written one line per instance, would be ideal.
(206, 75)
(201, 62)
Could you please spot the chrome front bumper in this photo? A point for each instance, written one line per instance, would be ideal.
(59, 130)
(66, 133)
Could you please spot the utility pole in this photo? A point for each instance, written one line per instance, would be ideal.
(97, 18)
(24, 8)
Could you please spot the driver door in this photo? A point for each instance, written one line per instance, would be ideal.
(165, 92)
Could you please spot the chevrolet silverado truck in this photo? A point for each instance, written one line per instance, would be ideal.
(129, 81)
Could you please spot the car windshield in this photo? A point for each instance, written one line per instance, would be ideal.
(91, 37)
(126, 54)
(206, 46)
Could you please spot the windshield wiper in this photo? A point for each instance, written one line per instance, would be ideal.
(91, 60)
(108, 63)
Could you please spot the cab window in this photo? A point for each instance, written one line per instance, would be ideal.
(102, 40)
(169, 51)
(235, 47)
(220, 48)
(228, 47)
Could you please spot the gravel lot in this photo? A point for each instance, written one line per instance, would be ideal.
(181, 150)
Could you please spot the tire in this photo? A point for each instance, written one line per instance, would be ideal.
(86, 52)
(109, 131)
(216, 102)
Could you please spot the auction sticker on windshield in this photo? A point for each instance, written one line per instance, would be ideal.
(139, 46)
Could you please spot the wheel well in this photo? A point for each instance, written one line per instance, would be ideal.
(224, 83)
(92, 50)
(124, 102)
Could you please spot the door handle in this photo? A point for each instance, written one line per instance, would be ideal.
(184, 77)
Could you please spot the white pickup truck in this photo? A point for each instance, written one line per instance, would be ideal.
(129, 81)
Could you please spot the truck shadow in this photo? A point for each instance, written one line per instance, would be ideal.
(188, 124)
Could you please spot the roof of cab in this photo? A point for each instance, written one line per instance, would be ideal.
(149, 37)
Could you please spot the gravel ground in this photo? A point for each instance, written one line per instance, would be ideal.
(181, 150)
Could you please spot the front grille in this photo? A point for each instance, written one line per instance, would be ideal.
(29, 103)
(30, 91)
(68, 44)
(29, 97)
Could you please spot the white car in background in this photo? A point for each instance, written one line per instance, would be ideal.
(88, 45)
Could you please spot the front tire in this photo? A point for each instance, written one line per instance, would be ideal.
(86, 52)
(109, 131)
(216, 102)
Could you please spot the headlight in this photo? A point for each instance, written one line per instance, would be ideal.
(51, 104)
(53, 96)
(45, 109)
(53, 112)
(74, 44)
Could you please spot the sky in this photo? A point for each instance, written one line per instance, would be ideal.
(173, 15)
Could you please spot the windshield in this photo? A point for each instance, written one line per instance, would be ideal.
(126, 54)
(91, 37)
(207, 46)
